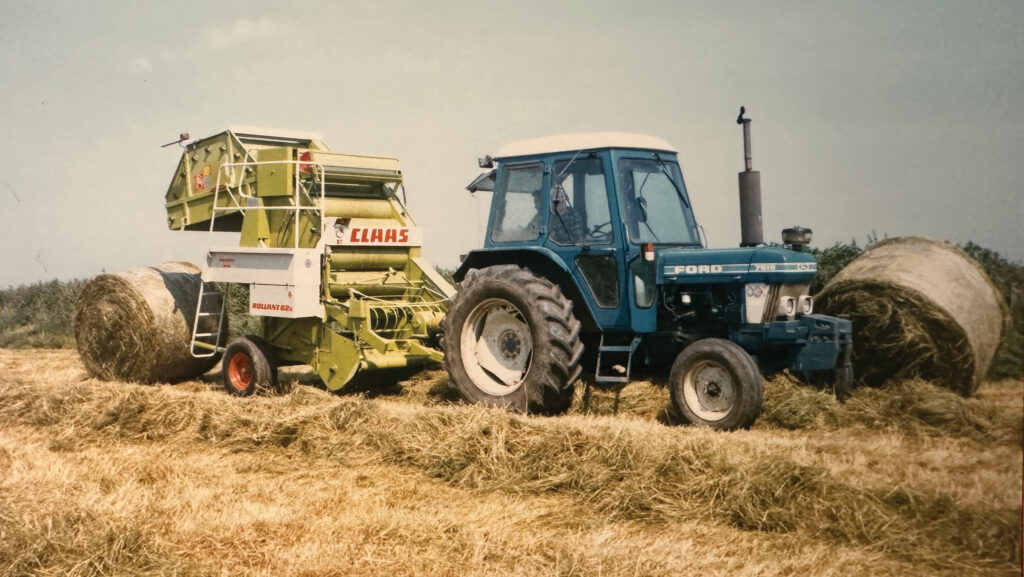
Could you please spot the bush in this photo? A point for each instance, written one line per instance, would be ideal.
(1009, 279)
(39, 315)
(831, 260)
(239, 321)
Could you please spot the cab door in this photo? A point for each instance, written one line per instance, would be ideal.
(655, 211)
(582, 230)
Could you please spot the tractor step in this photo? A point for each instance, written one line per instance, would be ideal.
(618, 349)
(627, 350)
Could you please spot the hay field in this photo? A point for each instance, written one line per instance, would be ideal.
(120, 479)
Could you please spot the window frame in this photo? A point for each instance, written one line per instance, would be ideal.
(499, 199)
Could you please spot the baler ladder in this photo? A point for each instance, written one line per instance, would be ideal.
(628, 350)
(210, 305)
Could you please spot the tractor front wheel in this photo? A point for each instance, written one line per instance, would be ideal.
(248, 367)
(512, 341)
(715, 383)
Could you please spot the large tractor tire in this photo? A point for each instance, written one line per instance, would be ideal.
(715, 383)
(512, 341)
(249, 367)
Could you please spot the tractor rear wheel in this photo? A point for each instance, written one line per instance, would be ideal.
(248, 367)
(512, 341)
(715, 383)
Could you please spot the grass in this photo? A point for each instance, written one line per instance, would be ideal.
(111, 478)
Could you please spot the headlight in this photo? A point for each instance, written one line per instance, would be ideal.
(787, 307)
(806, 305)
(756, 299)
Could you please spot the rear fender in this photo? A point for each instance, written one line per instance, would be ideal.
(542, 262)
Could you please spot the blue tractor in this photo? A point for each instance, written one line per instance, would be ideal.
(593, 256)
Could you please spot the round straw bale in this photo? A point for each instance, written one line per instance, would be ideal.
(919, 308)
(136, 325)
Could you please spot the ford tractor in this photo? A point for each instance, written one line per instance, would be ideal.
(592, 251)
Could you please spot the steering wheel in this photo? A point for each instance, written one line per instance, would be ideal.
(597, 233)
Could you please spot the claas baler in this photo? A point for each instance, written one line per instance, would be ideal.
(330, 255)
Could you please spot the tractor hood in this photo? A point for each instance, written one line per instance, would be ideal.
(772, 265)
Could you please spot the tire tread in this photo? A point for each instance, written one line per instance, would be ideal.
(552, 390)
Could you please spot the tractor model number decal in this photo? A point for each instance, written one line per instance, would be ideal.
(271, 307)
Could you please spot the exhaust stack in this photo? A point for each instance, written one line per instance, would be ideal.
(751, 228)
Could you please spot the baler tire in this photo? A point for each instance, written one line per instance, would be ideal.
(524, 329)
(715, 383)
(249, 367)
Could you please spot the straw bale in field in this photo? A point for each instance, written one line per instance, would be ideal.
(919, 308)
(136, 325)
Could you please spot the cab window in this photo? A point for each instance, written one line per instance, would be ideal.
(654, 202)
(517, 204)
(579, 203)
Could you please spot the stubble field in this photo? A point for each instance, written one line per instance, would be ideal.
(104, 478)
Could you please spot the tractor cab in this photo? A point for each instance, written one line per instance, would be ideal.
(587, 205)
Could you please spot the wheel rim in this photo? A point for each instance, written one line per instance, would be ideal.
(496, 347)
(709, 390)
(240, 371)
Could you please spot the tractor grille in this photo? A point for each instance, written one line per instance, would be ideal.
(771, 304)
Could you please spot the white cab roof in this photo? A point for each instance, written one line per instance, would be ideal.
(584, 141)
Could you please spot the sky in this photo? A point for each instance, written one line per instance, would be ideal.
(869, 118)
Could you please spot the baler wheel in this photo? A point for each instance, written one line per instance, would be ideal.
(248, 367)
(715, 383)
(512, 341)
